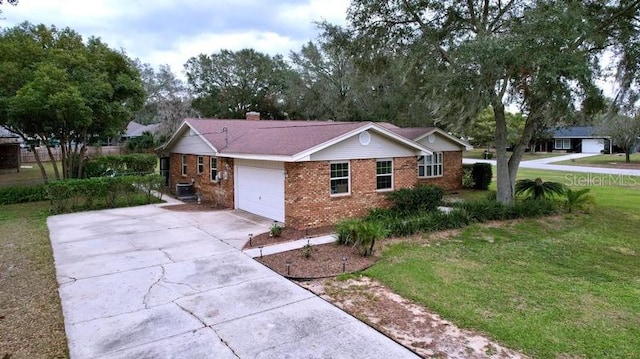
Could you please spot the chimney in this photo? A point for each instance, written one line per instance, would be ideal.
(253, 116)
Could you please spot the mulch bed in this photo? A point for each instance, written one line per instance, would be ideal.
(287, 235)
(325, 260)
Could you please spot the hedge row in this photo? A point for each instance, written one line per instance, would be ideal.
(20, 194)
(103, 192)
(463, 214)
(135, 163)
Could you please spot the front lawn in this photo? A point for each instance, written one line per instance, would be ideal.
(565, 286)
(31, 324)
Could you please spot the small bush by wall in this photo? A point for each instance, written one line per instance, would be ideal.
(412, 200)
(481, 174)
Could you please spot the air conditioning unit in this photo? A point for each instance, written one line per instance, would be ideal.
(185, 191)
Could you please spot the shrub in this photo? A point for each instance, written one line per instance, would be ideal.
(481, 174)
(101, 192)
(307, 249)
(19, 194)
(467, 177)
(580, 199)
(346, 231)
(276, 229)
(135, 163)
(417, 199)
(366, 235)
(538, 189)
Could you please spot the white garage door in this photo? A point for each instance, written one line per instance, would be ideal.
(591, 145)
(259, 188)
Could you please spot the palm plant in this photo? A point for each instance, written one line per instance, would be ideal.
(579, 199)
(538, 189)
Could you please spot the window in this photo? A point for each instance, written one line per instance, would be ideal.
(184, 165)
(339, 178)
(384, 174)
(430, 166)
(200, 165)
(563, 144)
(213, 164)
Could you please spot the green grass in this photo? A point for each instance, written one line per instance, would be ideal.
(31, 323)
(564, 286)
(478, 153)
(26, 176)
(614, 160)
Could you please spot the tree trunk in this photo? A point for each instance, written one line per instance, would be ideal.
(504, 183)
(54, 163)
(45, 177)
(518, 151)
(627, 155)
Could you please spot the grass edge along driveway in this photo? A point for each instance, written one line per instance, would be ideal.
(31, 323)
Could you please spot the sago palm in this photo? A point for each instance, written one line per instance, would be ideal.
(579, 199)
(538, 189)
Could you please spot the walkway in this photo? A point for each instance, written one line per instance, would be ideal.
(144, 282)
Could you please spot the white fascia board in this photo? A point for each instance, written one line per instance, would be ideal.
(466, 146)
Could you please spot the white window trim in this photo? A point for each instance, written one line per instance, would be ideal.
(200, 164)
(565, 144)
(213, 168)
(348, 193)
(433, 166)
(386, 174)
(184, 165)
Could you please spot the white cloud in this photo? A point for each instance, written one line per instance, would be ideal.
(169, 31)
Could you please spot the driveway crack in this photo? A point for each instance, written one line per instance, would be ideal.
(146, 296)
(166, 255)
(192, 314)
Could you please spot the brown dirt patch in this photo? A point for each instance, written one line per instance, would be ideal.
(406, 322)
(288, 234)
(195, 207)
(325, 260)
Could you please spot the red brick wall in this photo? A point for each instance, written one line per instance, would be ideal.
(309, 204)
(451, 172)
(220, 193)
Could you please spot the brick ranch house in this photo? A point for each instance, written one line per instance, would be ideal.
(307, 173)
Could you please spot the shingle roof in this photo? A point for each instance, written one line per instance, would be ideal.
(269, 137)
(576, 131)
(135, 129)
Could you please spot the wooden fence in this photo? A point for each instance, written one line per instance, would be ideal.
(92, 151)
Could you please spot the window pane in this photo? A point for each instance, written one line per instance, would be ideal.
(339, 170)
(421, 171)
(383, 167)
(340, 186)
(383, 182)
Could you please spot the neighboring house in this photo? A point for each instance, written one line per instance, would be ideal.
(135, 129)
(9, 150)
(307, 173)
(580, 139)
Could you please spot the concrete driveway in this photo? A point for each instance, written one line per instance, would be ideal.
(144, 282)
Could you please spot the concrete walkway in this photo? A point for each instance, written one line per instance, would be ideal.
(288, 246)
(144, 282)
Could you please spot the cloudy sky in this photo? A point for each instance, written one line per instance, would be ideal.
(170, 32)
